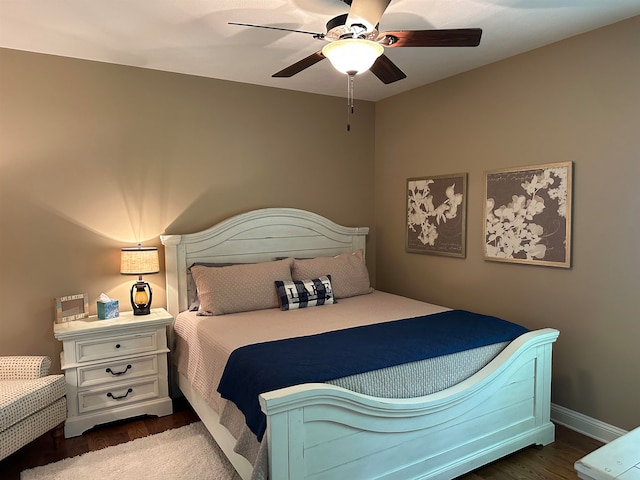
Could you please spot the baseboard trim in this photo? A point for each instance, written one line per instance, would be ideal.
(586, 425)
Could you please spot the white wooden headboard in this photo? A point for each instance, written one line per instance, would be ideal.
(256, 236)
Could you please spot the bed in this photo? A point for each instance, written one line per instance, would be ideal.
(340, 429)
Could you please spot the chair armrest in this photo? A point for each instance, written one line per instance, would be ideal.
(24, 367)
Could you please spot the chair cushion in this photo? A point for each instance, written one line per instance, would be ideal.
(21, 398)
(27, 430)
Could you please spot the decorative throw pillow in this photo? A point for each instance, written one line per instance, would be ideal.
(305, 293)
(349, 274)
(239, 288)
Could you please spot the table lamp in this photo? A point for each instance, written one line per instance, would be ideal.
(140, 261)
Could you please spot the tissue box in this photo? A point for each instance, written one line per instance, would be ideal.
(108, 309)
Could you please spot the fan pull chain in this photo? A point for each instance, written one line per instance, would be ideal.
(350, 77)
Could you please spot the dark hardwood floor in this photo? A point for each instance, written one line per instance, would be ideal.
(554, 461)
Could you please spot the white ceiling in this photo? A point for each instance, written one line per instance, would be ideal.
(193, 36)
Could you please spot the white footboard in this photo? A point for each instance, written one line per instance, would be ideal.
(318, 431)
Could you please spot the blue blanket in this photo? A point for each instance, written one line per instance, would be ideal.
(262, 367)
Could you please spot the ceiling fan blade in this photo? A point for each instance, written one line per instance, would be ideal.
(459, 37)
(366, 12)
(386, 70)
(316, 35)
(297, 67)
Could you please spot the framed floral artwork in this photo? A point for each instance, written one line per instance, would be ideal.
(436, 215)
(527, 216)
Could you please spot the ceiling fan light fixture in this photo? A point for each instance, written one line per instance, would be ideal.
(352, 54)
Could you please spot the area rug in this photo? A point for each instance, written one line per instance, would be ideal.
(187, 452)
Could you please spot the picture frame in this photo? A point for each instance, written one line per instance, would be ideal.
(527, 215)
(436, 215)
(71, 307)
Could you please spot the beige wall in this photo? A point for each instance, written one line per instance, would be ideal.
(577, 100)
(94, 157)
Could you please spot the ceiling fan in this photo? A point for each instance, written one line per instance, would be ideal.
(355, 45)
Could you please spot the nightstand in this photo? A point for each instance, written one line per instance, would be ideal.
(114, 369)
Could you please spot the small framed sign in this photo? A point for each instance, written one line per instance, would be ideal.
(72, 307)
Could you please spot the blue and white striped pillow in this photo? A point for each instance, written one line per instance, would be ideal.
(305, 293)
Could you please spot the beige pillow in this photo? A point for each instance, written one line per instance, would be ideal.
(239, 288)
(349, 274)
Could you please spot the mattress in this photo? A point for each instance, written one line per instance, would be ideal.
(204, 343)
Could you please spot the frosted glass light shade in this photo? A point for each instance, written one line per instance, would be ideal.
(352, 54)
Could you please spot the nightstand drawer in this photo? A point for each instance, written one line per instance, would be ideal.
(116, 371)
(116, 346)
(118, 394)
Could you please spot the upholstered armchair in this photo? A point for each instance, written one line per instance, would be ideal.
(32, 402)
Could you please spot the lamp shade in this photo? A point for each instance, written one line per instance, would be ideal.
(352, 54)
(139, 260)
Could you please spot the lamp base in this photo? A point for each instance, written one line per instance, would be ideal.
(141, 295)
(141, 310)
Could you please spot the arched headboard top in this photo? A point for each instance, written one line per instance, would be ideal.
(255, 236)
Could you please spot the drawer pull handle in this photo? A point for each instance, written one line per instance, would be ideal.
(129, 390)
(117, 345)
(115, 374)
